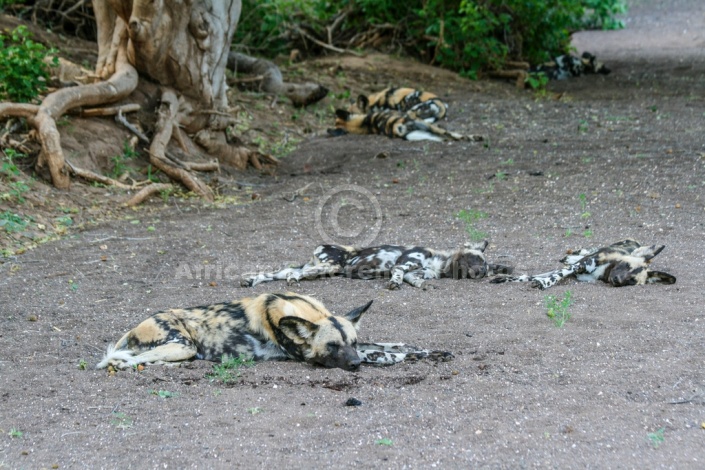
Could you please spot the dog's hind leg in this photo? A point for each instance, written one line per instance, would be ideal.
(283, 275)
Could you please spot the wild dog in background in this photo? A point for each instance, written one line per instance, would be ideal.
(410, 264)
(418, 104)
(264, 328)
(392, 124)
(566, 66)
(625, 263)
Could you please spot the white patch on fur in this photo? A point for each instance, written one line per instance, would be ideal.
(116, 355)
(422, 135)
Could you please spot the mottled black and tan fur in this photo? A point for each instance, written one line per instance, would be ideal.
(411, 264)
(268, 327)
(567, 66)
(625, 263)
(418, 104)
(392, 124)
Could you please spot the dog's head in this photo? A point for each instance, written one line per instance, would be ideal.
(328, 342)
(590, 64)
(633, 270)
(470, 262)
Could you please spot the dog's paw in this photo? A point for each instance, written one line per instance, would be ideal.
(499, 279)
(292, 282)
(247, 282)
(393, 286)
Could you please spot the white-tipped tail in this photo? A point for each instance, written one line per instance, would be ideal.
(119, 357)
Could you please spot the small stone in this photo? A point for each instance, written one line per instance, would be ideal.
(353, 402)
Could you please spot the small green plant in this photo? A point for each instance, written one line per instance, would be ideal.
(470, 217)
(583, 126)
(15, 433)
(384, 442)
(12, 222)
(557, 308)
(82, 364)
(656, 438)
(120, 161)
(121, 420)
(229, 368)
(501, 175)
(73, 285)
(537, 81)
(254, 410)
(23, 72)
(163, 393)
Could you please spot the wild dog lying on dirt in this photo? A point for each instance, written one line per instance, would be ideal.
(392, 124)
(417, 104)
(566, 66)
(267, 327)
(411, 264)
(625, 263)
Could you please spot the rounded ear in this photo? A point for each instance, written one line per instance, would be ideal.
(363, 103)
(648, 252)
(654, 277)
(296, 328)
(355, 314)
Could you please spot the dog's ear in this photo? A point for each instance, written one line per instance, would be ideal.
(648, 252)
(654, 277)
(355, 314)
(481, 246)
(362, 103)
(297, 329)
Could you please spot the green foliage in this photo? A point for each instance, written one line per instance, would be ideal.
(228, 369)
(15, 433)
(12, 222)
(120, 161)
(384, 442)
(464, 35)
(470, 217)
(557, 308)
(656, 438)
(23, 73)
(82, 364)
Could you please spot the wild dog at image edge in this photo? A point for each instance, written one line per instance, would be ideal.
(264, 328)
(411, 264)
(624, 263)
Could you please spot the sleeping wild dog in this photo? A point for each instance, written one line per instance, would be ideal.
(267, 327)
(625, 263)
(567, 66)
(410, 264)
(392, 124)
(418, 104)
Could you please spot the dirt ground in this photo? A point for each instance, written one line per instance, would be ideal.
(595, 160)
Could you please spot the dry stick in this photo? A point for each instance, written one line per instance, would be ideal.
(146, 192)
(121, 84)
(91, 176)
(327, 46)
(168, 113)
(107, 111)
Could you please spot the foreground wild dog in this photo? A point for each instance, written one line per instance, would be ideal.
(625, 263)
(399, 264)
(566, 66)
(391, 124)
(267, 327)
(417, 104)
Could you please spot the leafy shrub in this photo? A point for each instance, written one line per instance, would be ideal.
(464, 35)
(23, 73)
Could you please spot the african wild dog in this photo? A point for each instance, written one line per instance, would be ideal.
(625, 263)
(417, 104)
(566, 66)
(411, 264)
(392, 124)
(267, 327)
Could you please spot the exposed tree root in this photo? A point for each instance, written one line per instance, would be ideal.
(146, 192)
(168, 113)
(91, 176)
(271, 81)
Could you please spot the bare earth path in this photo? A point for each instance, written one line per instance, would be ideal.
(621, 385)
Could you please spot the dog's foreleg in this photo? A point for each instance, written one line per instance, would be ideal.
(283, 275)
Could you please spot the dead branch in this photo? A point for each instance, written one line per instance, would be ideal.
(146, 192)
(91, 176)
(108, 111)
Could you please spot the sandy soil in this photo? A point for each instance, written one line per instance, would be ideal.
(621, 384)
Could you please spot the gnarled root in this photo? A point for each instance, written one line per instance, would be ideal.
(271, 80)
